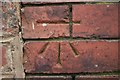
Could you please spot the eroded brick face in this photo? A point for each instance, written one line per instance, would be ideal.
(9, 19)
(95, 21)
(46, 14)
(37, 22)
(60, 41)
(45, 31)
(75, 57)
(4, 61)
(70, 39)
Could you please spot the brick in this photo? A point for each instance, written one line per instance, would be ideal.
(89, 56)
(46, 31)
(4, 60)
(9, 19)
(46, 14)
(75, 56)
(113, 77)
(49, 78)
(36, 22)
(98, 20)
(40, 57)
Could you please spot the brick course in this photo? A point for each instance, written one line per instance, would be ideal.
(75, 57)
(99, 21)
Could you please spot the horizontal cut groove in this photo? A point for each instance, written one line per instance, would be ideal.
(67, 74)
(73, 49)
(43, 48)
(76, 22)
(54, 22)
(70, 39)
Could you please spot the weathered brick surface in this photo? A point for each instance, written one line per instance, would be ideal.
(40, 52)
(113, 77)
(46, 14)
(98, 20)
(9, 19)
(51, 20)
(75, 56)
(4, 61)
(36, 22)
(10, 24)
(45, 30)
(49, 78)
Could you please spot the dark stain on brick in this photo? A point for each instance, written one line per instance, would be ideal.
(60, 12)
(45, 67)
(87, 61)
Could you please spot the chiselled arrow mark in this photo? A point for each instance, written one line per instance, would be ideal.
(73, 49)
(43, 48)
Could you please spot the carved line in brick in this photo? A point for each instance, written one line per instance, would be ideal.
(43, 48)
(59, 61)
(46, 45)
(75, 51)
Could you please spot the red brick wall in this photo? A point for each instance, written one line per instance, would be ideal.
(61, 41)
(70, 39)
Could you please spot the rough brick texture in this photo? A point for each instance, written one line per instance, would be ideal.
(4, 61)
(99, 20)
(45, 30)
(33, 16)
(75, 56)
(9, 19)
(54, 43)
(49, 78)
(46, 14)
(9, 32)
